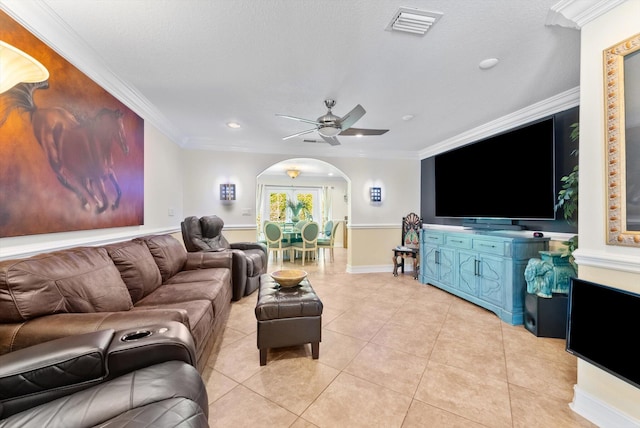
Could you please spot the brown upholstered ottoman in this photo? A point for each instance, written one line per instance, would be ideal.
(287, 317)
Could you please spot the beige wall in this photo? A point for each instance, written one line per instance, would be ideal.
(597, 393)
(374, 228)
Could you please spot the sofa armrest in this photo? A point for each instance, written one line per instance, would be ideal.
(133, 349)
(249, 246)
(42, 329)
(208, 259)
(53, 369)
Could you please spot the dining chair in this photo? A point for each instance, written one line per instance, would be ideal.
(309, 244)
(328, 242)
(328, 227)
(275, 244)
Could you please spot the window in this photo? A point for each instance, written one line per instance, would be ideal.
(277, 206)
(277, 209)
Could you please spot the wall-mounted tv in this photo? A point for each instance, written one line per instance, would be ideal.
(506, 176)
(602, 328)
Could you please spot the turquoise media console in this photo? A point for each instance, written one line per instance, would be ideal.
(483, 267)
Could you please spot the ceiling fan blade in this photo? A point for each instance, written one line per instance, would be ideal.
(352, 117)
(299, 133)
(331, 140)
(299, 119)
(361, 131)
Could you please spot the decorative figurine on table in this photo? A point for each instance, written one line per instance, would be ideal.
(550, 274)
(539, 277)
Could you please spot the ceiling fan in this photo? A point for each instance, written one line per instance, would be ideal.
(330, 125)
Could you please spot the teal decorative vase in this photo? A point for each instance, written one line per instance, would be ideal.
(562, 270)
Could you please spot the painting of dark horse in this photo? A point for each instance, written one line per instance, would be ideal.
(80, 152)
(71, 154)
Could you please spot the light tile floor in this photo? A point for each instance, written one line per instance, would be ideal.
(394, 353)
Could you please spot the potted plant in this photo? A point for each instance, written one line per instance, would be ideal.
(568, 196)
(296, 208)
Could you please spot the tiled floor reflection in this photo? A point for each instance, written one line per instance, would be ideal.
(394, 353)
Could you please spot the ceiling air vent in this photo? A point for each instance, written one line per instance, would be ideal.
(414, 21)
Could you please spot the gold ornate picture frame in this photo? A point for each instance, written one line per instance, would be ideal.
(622, 109)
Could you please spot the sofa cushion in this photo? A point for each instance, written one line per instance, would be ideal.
(200, 314)
(168, 253)
(169, 394)
(217, 292)
(137, 267)
(82, 279)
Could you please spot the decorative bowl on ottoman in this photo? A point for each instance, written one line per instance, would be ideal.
(288, 277)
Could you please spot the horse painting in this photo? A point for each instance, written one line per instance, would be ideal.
(80, 153)
(78, 149)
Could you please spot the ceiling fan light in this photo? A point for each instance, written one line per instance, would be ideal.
(328, 131)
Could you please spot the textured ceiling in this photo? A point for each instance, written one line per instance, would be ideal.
(198, 64)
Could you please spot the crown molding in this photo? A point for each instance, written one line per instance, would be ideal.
(46, 25)
(577, 13)
(555, 104)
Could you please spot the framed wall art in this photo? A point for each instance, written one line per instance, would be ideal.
(622, 119)
(71, 154)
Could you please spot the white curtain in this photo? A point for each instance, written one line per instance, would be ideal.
(326, 205)
(260, 208)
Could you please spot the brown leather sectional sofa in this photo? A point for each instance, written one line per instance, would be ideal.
(144, 281)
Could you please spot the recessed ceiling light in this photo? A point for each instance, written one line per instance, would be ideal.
(407, 117)
(234, 125)
(358, 135)
(488, 63)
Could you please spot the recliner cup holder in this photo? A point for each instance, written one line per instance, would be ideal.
(135, 335)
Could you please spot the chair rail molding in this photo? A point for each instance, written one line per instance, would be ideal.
(8, 252)
(602, 260)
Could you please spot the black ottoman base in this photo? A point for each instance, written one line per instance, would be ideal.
(287, 317)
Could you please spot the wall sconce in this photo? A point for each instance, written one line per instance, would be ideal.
(18, 67)
(293, 173)
(375, 193)
(227, 192)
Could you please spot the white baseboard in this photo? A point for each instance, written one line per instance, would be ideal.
(599, 412)
(377, 269)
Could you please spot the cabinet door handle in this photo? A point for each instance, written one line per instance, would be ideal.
(437, 257)
(457, 241)
(477, 268)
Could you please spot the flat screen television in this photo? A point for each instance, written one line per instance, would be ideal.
(506, 176)
(602, 328)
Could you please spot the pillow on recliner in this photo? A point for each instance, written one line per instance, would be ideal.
(212, 232)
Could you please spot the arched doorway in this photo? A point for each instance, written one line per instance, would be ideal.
(326, 186)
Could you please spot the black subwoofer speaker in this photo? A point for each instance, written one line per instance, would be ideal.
(546, 317)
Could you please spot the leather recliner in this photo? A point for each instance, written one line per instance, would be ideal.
(108, 378)
(249, 258)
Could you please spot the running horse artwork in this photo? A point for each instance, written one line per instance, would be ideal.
(79, 149)
(71, 153)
